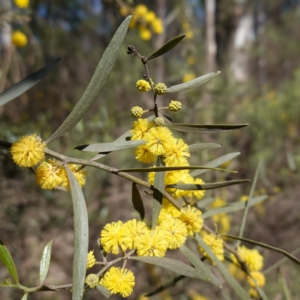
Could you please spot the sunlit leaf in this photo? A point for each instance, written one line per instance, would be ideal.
(285, 253)
(81, 236)
(158, 190)
(45, 261)
(8, 262)
(203, 269)
(104, 291)
(206, 186)
(27, 83)
(202, 128)
(192, 83)
(137, 201)
(166, 47)
(231, 280)
(202, 146)
(170, 264)
(96, 84)
(215, 163)
(235, 206)
(109, 147)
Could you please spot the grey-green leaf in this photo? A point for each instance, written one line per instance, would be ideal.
(137, 201)
(45, 262)
(166, 47)
(206, 186)
(170, 264)
(285, 253)
(24, 296)
(109, 147)
(27, 83)
(104, 291)
(215, 163)
(201, 267)
(8, 262)
(241, 293)
(158, 190)
(202, 146)
(81, 234)
(235, 206)
(96, 84)
(192, 83)
(203, 128)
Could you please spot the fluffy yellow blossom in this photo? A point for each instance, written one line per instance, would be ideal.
(114, 236)
(91, 260)
(140, 10)
(192, 217)
(258, 277)
(152, 243)
(215, 242)
(143, 85)
(223, 222)
(157, 26)
(118, 281)
(158, 139)
(168, 211)
(140, 127)
(150, 16)
(22, 3)
(236, 271)
(188, 76)
(145, 34)
(28, 151)
(47, 175)
(137, 111)
(77, 171)
(144, 155)
(19, 39)
(134, 229)
(253, 293)
(177, 153)
(251, 257)
(92, 280)
(175, 232)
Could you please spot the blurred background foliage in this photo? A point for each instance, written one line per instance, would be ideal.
(255, 43)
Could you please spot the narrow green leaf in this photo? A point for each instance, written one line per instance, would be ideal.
(96, 84)
(158, 190)
(285, 253)
(81, 237)
(45, 261)
(202, 128)
(170, 264)
(192, 83)
(201, 267)
(215, 163)
(8, 262)
(241, 293)
(235, 206)
(24, 297)
(202, 146)
(165, 286)
(166, 47)
(109, 147)
(206, 186)
(27, 83)
(137, 201)
(204, 202)
(261, 292)
(165, 169)
(104, 291)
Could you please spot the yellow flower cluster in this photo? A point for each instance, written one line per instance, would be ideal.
(91, 260)
(222, 220)
(175, 105)
(143, 85)
(215, 242)
(22, 3)
(29, 151)
(19, 39)
(146, 21)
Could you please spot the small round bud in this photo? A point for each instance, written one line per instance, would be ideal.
(143, 85)
(137, 111)
(92, 280)
(160, 88)
(159, 121)
(175, 105)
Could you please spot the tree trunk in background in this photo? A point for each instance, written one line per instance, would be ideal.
(161, 6)
(210, 34)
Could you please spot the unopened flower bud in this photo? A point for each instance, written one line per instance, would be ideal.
(137, 111)
(159, 121)
(92, 280)
(143, 85)
(175, 105)
(160, 88)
